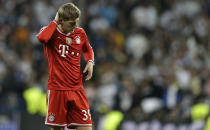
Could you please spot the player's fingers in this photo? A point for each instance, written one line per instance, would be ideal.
(85, 69)
(88, 77)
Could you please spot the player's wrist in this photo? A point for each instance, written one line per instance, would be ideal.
(91, 61)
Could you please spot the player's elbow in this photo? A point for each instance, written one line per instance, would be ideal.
(42, 39)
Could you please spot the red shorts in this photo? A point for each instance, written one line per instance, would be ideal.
(67, 108)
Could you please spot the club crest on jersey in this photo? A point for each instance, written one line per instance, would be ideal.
(77, 39)
(68, 40)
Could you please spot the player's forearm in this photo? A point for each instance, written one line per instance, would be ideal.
(46, 33)
(89, 56)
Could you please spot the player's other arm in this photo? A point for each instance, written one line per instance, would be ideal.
(89, 58)
(46, 32)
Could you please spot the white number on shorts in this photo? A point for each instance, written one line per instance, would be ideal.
(85, 114)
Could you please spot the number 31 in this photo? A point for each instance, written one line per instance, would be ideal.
(85, 114)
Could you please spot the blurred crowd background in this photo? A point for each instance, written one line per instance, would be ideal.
(152, 61)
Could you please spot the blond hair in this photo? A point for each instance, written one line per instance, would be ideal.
(68, 11)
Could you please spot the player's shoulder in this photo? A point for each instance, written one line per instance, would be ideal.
(79, 30)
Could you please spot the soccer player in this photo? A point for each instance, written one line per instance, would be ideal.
(63, 44)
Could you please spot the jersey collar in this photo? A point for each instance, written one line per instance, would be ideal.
(66, 34)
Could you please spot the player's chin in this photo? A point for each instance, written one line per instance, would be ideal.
(71, 27)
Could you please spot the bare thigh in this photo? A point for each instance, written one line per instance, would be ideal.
(84, 128)
(57, 128)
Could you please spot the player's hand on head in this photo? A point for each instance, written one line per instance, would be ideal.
(57, 18)
(89, 68)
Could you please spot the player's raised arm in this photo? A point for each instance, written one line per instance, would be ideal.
(89, 58)
(46, 32)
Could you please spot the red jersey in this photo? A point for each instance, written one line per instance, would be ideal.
(63, 55)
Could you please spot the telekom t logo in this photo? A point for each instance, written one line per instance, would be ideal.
(63, 49)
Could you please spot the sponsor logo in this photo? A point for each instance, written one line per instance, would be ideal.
(63, 49)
